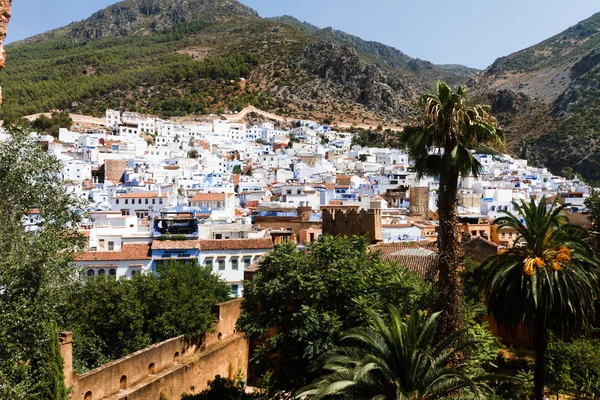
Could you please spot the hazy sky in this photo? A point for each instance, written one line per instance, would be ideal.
(468, 32)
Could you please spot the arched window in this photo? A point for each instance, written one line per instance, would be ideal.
(151, 369)
(123, 382)
(101, 272)
(176, 357)
(88, 395)
(112, 272)
(90, 272)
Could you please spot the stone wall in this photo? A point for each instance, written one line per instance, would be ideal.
(166, 369)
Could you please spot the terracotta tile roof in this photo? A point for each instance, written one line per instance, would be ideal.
(236, 244)
(208, 197)
(128, 252)
(174, 244)
(140, 195)
(418, 257)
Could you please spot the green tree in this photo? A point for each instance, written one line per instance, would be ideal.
(237, 169)
(394, 359)
(309, 297)
(547, 282)
(52, 124)
(440, 145)
(112, 318)
(38, 237)
(592, 202)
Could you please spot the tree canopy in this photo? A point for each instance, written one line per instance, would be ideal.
(300, 301)
(112, 318)
(38, 239)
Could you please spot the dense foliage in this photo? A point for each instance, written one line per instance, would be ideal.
(393, 359)
(300, 302)
(592, 202)
(112, 318)
(51, 125)
(574, 367)
(37, 240)
(61, 74)
(549, 283)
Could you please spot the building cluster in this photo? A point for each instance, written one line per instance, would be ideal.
(224, 193)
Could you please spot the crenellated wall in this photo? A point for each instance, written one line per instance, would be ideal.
(166, 369)
(349, 221)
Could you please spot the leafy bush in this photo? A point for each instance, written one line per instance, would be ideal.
(573, 366)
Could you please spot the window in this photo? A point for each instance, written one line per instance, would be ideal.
(101, 244)
(153, 201)
(159, 201)
(247, 262)
(112, 272)
(146, 201)
(117, 201)
(133, 272)
(221, 263)
(234, 264)
(90, 272)
(235, 290)
(101, 272)
(208, 262)
(218, 236)
(126, 201)
(139, 201)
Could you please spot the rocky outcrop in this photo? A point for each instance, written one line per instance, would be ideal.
(4, 18)
(139, 16)
(359, 82)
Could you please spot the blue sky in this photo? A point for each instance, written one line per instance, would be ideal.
(468, 32)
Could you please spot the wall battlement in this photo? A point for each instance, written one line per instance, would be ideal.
(350, 221)
(167, 369)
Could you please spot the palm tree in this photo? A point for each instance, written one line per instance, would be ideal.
(440, 145)
(548, 281)
(393, 360)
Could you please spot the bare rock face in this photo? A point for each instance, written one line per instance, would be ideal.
(4, 18)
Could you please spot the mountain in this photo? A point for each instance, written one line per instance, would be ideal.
(546, 96)
(177, 57)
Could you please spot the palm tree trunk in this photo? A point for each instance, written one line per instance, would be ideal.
(540, 343)
(449, 289)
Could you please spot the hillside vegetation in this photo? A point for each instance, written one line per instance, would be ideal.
(181, 57)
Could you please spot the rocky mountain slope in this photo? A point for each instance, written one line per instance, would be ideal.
(547, 98)
(176, 57)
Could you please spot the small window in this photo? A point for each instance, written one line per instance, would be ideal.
(221, 263)
(111, 246)
(139, 201)
(90, 272)
(146, 201)
(133, 272)
(159, 201)
(208, 262)
(101, 272)
(247, 262)
(126, 201)
(218, 236)
(117, 201)
(112, 272)
(235, 290)
(234, 264)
